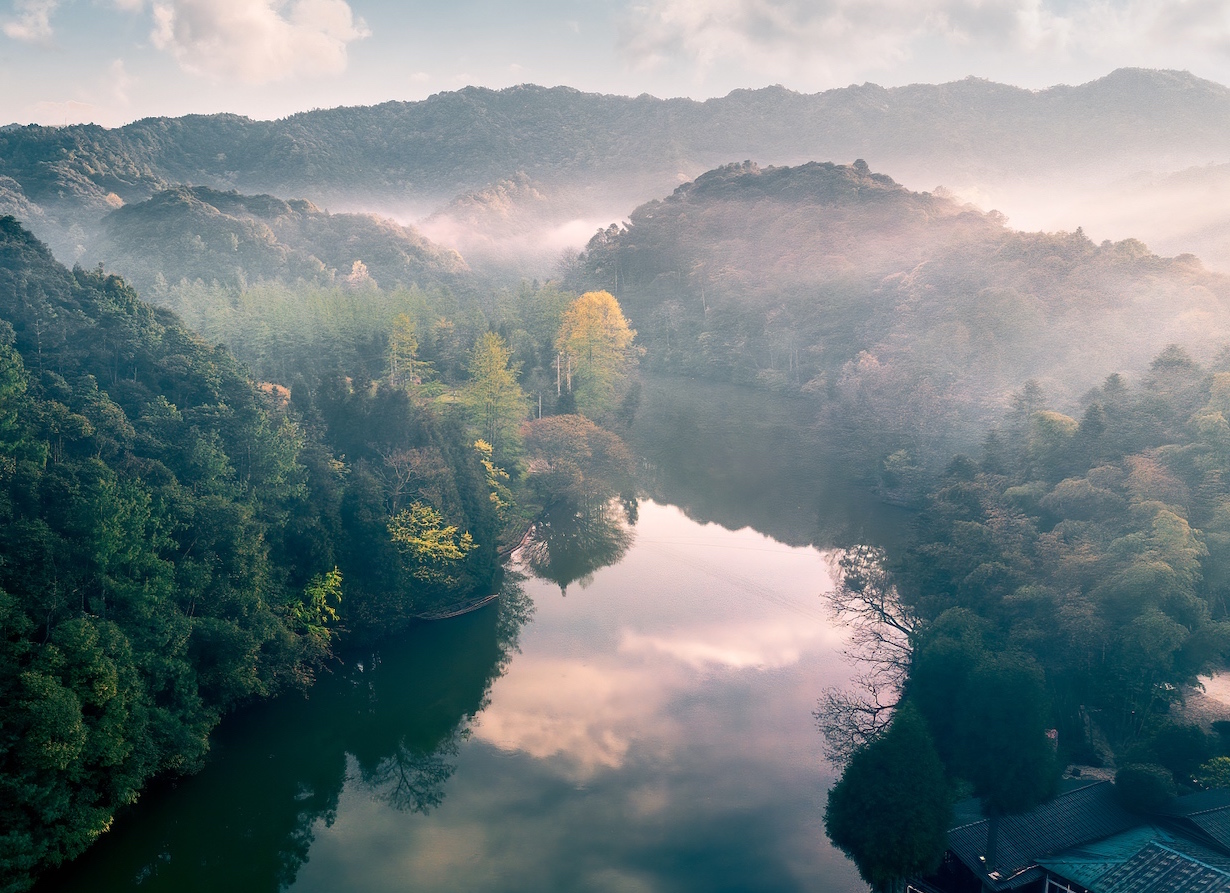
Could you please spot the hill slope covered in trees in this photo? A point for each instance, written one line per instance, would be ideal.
(197, 233)
(178, 541)
(916, 315)
(608, 153)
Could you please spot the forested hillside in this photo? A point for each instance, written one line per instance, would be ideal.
(912, 315)
(455, 142)
(178, 541)
(1074, 577)
(196, 233)
(600, 155)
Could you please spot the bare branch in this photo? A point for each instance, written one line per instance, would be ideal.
(848, 720)
(867, 603)
(881, 640)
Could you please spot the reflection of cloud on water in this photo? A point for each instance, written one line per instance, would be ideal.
(681, 625)
(585, 713)
(654, 734)
(768, 646)
(589, 709)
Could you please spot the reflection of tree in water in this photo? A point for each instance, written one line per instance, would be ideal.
(411, 781)
(573, 540)
(412, 776)
(247, 822)
(775, 471)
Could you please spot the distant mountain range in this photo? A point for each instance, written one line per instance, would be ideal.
(593, 155)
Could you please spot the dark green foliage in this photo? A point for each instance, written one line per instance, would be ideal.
(166, 529)
(988, 710)
(891, 809)
(1001, 728)
(1144, 787)
(1099, 548)
(1182, 748)
(398, 451)
(1077, 578)
(1221, 728)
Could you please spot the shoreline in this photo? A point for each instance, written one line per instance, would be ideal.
(504, 555)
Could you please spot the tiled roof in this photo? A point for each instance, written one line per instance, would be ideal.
(1215, 823)
(1201, 801)
(1207, 812)
(1079, 816)
(1087, 862)
(1160, 869)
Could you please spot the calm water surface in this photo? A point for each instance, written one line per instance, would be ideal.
(653, 732)
(634, 714)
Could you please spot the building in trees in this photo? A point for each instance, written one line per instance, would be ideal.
(1086, 841)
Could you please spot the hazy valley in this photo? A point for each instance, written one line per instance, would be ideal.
(427, 422)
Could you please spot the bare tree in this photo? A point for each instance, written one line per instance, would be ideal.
(882, 628)
(411, 474)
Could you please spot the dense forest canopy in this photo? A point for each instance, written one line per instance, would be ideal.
(195, 233)
(911, 315)
(464, 140)
(587, 156)
(1074, 578)
(178, 541)
(185, 528)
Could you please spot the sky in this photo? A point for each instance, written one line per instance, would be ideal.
(114, 61)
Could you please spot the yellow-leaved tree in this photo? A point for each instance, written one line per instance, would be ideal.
(594, 337)
(429, 548)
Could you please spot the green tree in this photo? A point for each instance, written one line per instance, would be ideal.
(316, 616)
(493, 396)
(1144, 787)
(891, 808)
(1003, 721)
(1215, 773)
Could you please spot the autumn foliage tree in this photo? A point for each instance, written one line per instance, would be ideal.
(573, 459)
(596, 337)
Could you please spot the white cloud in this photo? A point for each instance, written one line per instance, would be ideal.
(33, 20)
(257, 41)
(834, 40)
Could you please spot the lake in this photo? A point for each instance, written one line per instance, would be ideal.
(633, 714)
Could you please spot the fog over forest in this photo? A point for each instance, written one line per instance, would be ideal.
(437, 427)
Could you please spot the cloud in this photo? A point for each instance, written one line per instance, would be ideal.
(33, 21)
(257, 41)
(833, 40)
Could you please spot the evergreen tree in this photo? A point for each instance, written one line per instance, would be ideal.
(891, 808)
